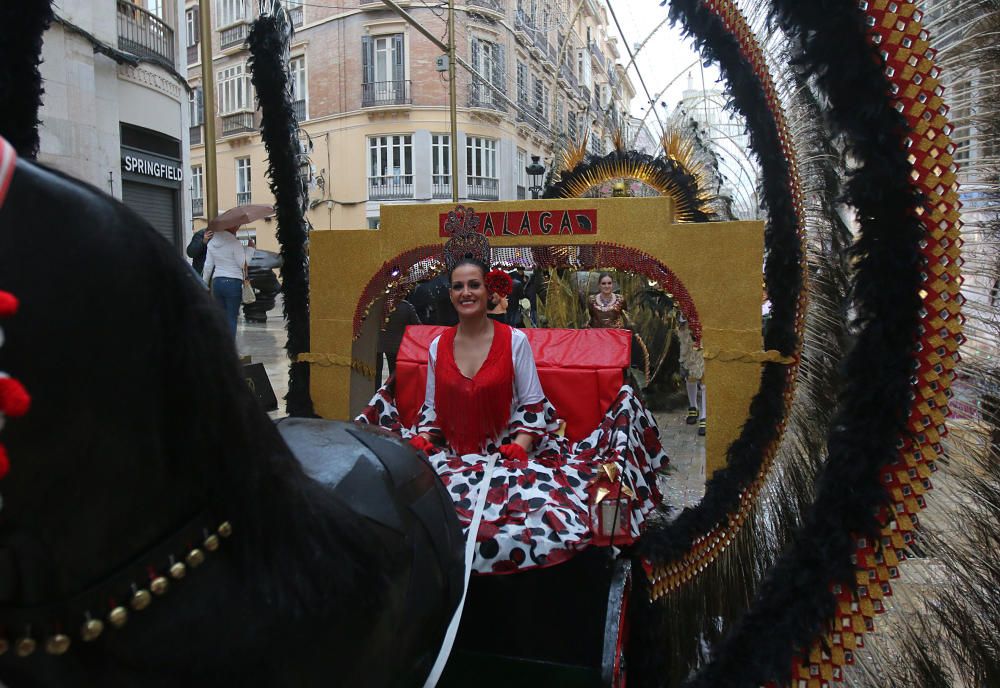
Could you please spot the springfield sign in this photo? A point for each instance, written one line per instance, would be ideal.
(151, 168)
(532, 222)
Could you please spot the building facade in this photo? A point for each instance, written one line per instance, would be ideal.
(114, 111)
(372, 102)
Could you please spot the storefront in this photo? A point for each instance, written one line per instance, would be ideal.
(152, 182)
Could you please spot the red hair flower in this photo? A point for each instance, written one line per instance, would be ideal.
(499, 282)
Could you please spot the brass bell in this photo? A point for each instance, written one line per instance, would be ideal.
(91, 630)
(178, 570)
(4, 646)
(118, 616)
(140, 599)
(159, 585)
(211, 543)
(225, 529)
(195, 558)
(57, 644)
(25, 646)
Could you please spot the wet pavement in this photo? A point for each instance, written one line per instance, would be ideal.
(682, 484)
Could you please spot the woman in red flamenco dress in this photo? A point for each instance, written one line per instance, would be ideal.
(483, 398)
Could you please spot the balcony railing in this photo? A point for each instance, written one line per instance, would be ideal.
(482, 96)
(523, 23)
(483, 188)
(238, 123)
(383, 93)
(235, 35)
(195, 135)
(441, 185)
(520, 192)
(567, 74)
(194, 54)
(297, 16)
(144, 34)
(299, 106)
(493, 5)
(242, 198)
(390, 187)
(197, 207)
(596, 52)
(584, 93)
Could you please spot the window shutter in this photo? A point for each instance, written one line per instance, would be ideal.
(367, 60)
(476, 87)
(197, 25)
(199, 105)
(397, 58)
(499, 68)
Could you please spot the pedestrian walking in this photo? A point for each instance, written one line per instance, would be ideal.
(224, 272)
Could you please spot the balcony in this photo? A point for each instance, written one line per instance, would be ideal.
(552, 53)
(194, 54)
(238, 123)
(144, 34)
(297, 16)
(234, 36)
(197, 207)
(482, 96)
(242, 198)
(584, 93)
(492, 6)
(441, 185)
(483, 188)
(524, 26)
(388, 188)
(568, 76)
(384, 93)
(299, 107)
(194, 135)
(598, 55)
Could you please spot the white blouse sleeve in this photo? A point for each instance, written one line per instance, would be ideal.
(427, 420)
(527, 388)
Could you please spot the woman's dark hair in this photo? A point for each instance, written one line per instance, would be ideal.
(603, 275)
(468, 260)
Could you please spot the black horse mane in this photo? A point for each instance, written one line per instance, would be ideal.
(140, 408)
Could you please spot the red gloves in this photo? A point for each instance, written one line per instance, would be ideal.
(421, 443)
(514, 451)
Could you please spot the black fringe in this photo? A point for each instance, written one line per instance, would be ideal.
(686, 184)
(268, 41)
(795, 603)
(20, 79)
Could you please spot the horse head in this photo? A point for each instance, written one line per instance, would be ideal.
(148, 488)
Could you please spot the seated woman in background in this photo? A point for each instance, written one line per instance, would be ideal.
(483, 397)
(606, 308)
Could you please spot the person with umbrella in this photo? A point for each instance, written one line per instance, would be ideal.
(226, 261)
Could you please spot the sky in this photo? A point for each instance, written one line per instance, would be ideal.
(666, 57)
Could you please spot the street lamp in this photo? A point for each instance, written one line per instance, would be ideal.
(535, 170)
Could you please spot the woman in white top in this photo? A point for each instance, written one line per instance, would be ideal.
(225, 269)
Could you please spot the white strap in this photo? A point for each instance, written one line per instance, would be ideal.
(470, 554)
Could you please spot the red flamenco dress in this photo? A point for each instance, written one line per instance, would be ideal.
(538, 511)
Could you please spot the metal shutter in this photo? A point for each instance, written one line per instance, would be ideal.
(156, 204)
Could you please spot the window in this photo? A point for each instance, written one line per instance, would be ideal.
(480, 160)
(441, 164)
(522, 84)
(383, 66)
(155, 7)
(583, 67)
(300, 86)
(196, 106)
(521, 173)
(559, 114)
(235, 91)
(191, 27)
(197, 182)
(242, 181)
(231, 11)
(571, 123)
(488, 61)
(390, 158)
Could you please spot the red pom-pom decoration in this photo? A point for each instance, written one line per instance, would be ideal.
(4, 462)
(499, 282)
(14, 398)
(8, 304)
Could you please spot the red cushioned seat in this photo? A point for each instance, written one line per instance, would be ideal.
(581, 372)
